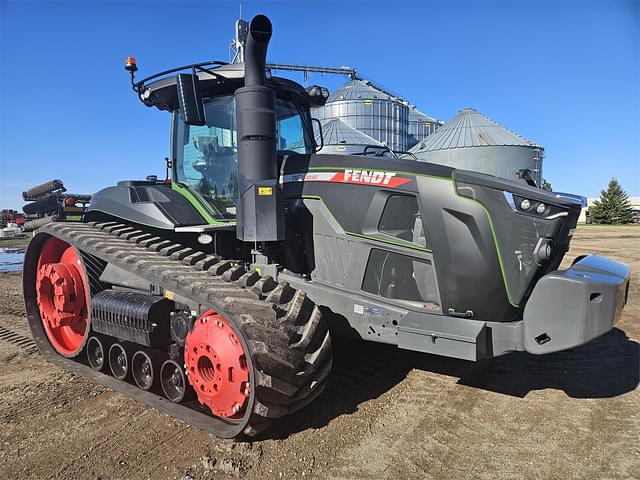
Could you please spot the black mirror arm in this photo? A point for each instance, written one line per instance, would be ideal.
(321, 146)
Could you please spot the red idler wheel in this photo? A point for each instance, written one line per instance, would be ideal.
(217, 366)
(62, 295)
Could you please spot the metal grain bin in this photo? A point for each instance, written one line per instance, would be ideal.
(421, 126)
(340, 138)
(366, 108)
(472, 141)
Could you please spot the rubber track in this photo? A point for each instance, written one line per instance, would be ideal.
(288, 340)
(38, 222)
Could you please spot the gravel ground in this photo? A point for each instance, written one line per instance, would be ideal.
(385, 414)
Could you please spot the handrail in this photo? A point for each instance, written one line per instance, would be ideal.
(138, 86)
(403, 153)
(384, 148)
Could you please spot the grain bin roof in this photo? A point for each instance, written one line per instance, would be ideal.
(470, 128)
(358, 89)
(416, 115)
(336, 132)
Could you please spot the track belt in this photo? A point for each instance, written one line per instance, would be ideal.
(223, 285)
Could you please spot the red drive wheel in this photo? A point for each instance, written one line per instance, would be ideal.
(62, 296)
(216, 366)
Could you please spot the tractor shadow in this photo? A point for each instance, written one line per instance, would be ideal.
(604, 368)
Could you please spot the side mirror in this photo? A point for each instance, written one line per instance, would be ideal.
(315, 121)
(190, 99)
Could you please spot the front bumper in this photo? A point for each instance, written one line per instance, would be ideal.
(570, 307)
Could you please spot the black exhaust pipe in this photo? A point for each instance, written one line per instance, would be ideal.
(255, 57)
(259, 213)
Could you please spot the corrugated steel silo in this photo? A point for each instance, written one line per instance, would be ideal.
(340, 138)
(421, 126)
(472, 141)
(375, 113)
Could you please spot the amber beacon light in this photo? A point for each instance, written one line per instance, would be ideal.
(131, 65)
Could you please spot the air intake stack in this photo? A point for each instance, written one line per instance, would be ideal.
(260, 214)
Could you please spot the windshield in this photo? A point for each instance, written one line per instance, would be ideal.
(205, 157)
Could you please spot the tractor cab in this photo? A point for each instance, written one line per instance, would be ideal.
(204, 143)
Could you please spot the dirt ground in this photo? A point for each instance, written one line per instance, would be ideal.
(18, 242)
(386, 414)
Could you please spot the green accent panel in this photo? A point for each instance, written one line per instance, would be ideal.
(198, 203)
(390, 242)
(495, 241)
(360, 235)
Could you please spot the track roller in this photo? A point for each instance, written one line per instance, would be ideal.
(119, 359)
(145, 366)
(97, 348)
(173, 381)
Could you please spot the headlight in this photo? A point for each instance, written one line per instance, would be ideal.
(205, 239)
(535, 208)
(543, 250)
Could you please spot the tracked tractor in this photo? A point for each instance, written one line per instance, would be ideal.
(212, 295)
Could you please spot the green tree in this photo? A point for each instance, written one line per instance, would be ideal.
(546, 186)
(613, 207)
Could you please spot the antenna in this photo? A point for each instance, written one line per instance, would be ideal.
(236, 47)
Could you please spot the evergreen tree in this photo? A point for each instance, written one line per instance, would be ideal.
(546, 186)
(613, 207)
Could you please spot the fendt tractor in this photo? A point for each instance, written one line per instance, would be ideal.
(212, 295)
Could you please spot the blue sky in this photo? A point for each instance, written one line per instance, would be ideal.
(564, 74)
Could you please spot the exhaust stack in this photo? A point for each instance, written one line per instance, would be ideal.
(259, 206)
